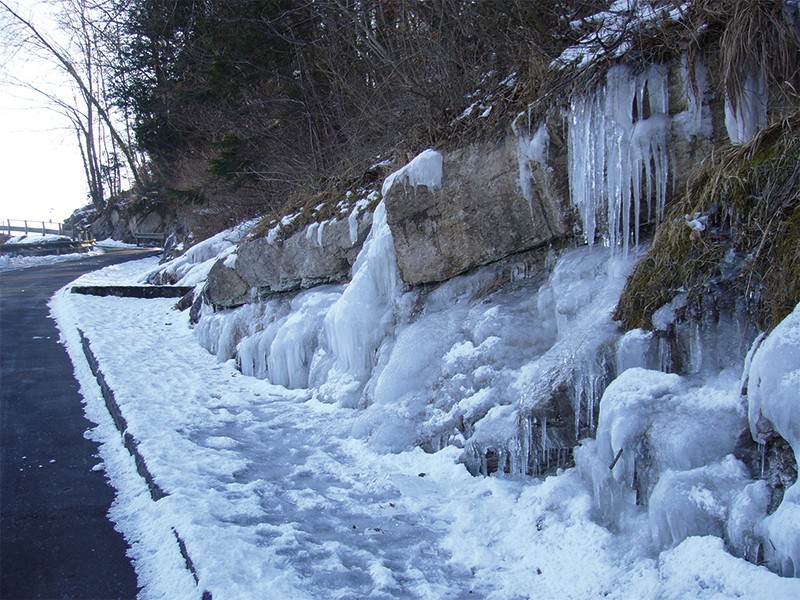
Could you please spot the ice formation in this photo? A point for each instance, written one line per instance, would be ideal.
(695, 502)
(746, 109)
(695, 121)
(652, 423)
(424, 170)
(619, 147)
(773, 394)
(531, 149)
(359, 320)
(511, 364)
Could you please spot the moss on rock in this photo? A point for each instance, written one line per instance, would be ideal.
(745, 204)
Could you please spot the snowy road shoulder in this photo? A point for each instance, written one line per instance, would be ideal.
(275, 497)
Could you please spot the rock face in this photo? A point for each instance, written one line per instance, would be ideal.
(454, 211)
(317, 254)
(479, 213)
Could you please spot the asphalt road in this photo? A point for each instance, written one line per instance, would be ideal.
(55, 538)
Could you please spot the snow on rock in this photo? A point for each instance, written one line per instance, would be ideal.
(611, 30)
(192, 267)
(773, 395)
(424, 170)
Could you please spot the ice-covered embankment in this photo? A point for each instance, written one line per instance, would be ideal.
(517, 360)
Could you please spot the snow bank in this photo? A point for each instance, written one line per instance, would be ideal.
(13, 263)
(24, 240)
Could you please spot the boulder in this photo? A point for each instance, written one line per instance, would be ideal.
(478, 214)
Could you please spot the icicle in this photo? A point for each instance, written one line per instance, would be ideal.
(746, 113)
(612, 145)
(545, 445)
(664, 354)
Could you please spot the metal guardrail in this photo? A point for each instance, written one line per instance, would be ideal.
(11, 226)
(56, 247)
(142, 237)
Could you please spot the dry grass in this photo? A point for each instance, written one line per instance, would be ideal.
(758, 34)
(751, 195)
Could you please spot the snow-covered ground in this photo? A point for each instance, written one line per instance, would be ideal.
(12, 263)
(36, 238)
(278, 495)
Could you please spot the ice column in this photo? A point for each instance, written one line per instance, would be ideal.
(357, 322)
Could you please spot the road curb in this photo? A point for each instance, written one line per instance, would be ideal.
(132, 445)
(133, 291)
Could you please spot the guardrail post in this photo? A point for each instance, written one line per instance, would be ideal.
(26, 227)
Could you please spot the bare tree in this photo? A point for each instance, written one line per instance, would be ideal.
(87, 111)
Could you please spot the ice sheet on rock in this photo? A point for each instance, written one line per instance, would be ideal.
(531, 149)
(360, 318)
(637, 348)
(774, 381)
(568, 372)
(695, 502)
(651, 422)
(745, 513)
(773, 396)
(296, 339)
(446, 364)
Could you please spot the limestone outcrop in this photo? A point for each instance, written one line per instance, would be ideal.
(316, 254)
(479, 213)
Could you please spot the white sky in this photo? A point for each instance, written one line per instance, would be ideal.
(41, 173)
